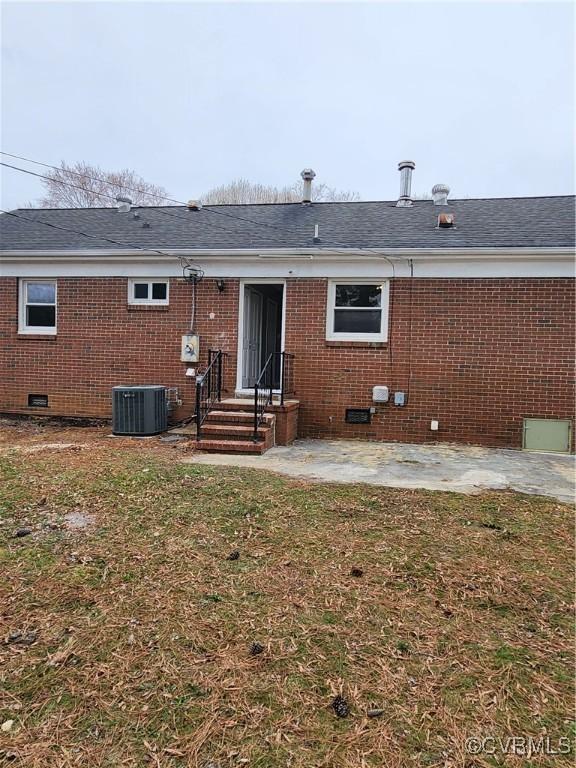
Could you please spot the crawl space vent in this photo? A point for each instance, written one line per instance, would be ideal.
(37, 401)
(358, 415)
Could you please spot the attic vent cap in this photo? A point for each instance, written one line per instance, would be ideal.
(124, 203)
(307, 175)
(194, 205)
(440, 194)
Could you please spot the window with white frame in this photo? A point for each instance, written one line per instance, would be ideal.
(357, 310)
(37, 306)
(148, 291)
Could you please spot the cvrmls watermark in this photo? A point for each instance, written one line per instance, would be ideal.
(521, 746)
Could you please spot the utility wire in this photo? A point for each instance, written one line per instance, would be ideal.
(85, 234)
(102, 237)
(170, 199)
(184, 262)
(152, 209)
(92, 178)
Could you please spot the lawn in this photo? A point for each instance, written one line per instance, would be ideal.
(128, 633)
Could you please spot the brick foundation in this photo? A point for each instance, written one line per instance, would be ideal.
(478, 355)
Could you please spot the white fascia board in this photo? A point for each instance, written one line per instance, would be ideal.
(287, 253)
(307, 263)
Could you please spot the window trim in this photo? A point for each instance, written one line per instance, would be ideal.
(332, 335)
(148, 302)
(43, 330)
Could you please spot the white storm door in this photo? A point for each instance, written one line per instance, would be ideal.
(251, 341)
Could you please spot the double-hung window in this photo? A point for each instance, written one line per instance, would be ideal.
(148, 292)
(357, 310)
(37, 309)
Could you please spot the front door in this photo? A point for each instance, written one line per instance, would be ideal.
(252, 337)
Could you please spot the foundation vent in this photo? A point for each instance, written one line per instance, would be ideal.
(358, 416)
(37, 401)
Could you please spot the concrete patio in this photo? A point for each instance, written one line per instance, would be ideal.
(442, 467)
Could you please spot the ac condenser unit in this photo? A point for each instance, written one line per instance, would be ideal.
(139, 410)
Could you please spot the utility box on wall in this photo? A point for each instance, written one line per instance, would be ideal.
(547, 435)
(190, 348)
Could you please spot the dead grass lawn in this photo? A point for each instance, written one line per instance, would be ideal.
(135, 629)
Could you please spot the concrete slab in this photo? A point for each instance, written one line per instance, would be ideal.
(443, 467)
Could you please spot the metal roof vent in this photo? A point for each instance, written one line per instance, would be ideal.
(446, 221)
(124, 204)
(440, 194)
(405, 167)
(307, 176)
(194, 205)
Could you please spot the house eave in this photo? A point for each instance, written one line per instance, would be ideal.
(339, 254)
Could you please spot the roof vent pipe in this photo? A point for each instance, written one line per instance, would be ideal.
(440, 194)
(307, 176)
(405, 167)
(124, 204)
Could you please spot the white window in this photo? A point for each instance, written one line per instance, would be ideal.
(37, 307)
(148, 291)
(357, 310)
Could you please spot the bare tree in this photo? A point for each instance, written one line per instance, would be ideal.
(242, 191)
(81, 185)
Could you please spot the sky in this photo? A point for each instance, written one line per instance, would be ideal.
(193, 95)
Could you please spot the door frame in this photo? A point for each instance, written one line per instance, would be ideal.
(240, 355)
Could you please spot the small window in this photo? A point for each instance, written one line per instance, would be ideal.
(37, 311)
(357, 311)
(148, 292)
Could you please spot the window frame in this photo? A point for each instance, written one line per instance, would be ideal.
(150, 301)
(332, 335)
(23, 303)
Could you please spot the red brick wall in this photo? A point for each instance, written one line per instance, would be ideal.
(102, 342)
(479, 355)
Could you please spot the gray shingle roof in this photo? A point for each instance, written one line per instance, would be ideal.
(530, 222)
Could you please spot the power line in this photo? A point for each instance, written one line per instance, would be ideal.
(173, 200)
(184, 263)
(92, 178)
(152, 209)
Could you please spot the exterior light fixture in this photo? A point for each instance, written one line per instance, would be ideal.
(220, 284)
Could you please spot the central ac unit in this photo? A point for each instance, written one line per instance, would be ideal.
(139, 410)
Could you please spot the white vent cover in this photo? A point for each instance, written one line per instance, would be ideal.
(380, 394)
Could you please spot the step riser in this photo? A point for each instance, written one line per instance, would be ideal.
(236, 418)
(231, 437)
(242, 431)
(229, 446)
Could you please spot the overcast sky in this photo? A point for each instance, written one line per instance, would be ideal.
(479, 95)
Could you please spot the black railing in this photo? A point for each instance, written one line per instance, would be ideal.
(286, 375)
(208, 388)
(265, 384)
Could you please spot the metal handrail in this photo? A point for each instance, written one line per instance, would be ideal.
(264, 390)
(208, 388)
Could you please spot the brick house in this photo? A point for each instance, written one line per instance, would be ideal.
(462, 309)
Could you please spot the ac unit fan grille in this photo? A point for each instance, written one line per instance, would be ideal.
(139, 410)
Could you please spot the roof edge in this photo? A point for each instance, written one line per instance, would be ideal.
(109, 254)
